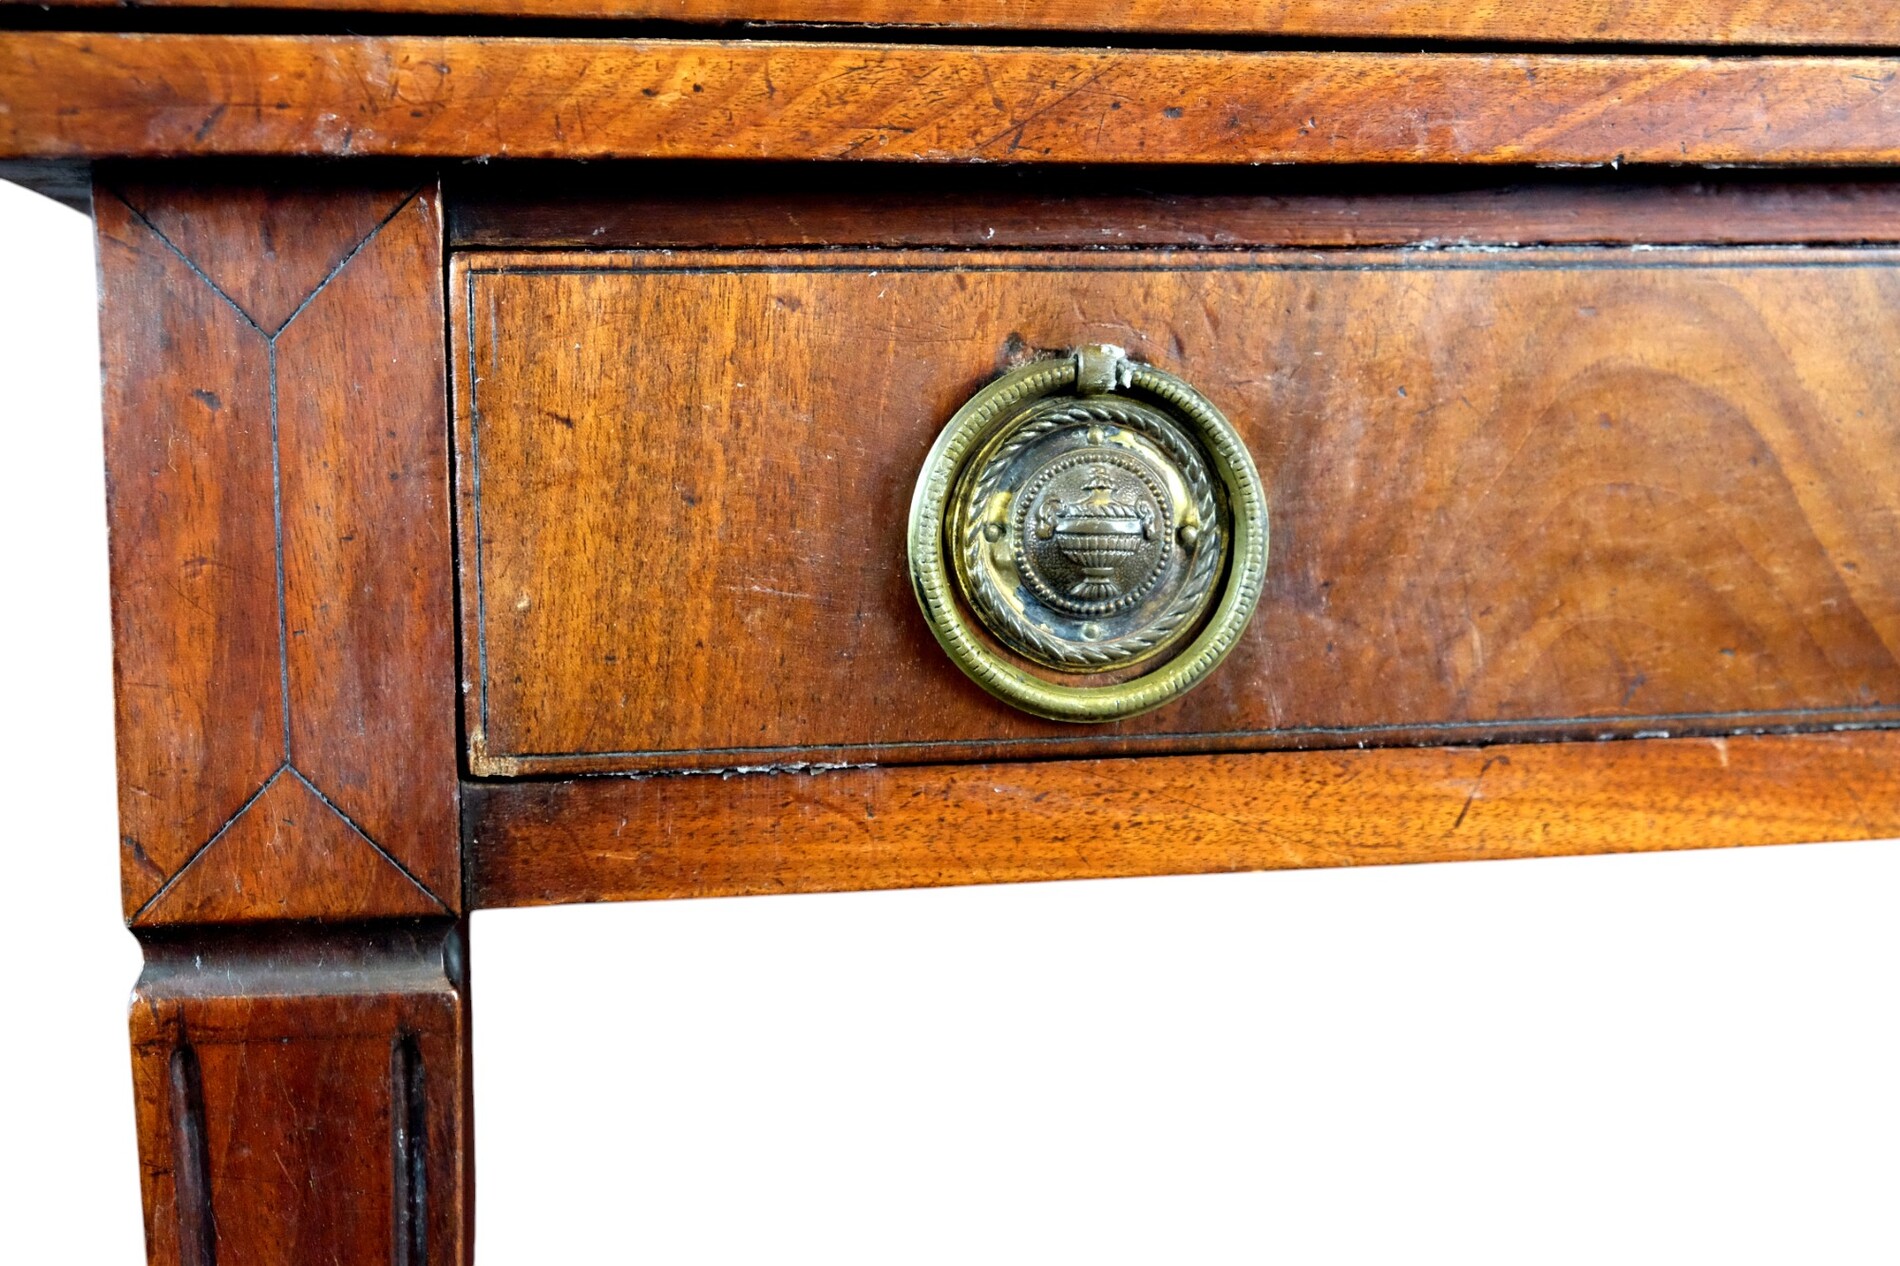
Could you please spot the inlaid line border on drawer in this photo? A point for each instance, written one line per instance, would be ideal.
(903, 261)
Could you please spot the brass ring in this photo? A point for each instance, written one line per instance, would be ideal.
(971, 456)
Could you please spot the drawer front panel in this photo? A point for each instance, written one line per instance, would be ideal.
(1512, 494)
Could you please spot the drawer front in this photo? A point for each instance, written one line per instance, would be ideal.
(1512, 494)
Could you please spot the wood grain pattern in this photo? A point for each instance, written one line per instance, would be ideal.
(1785, 22)
(289, 854)
(270, 251)
(733, 205)
(368, 581)
(619, 839)
(281, 554)
(158, 96)
(194, 596)
(304, 1097)
(1541, 494)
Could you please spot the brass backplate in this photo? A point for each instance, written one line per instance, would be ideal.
(1104, 527)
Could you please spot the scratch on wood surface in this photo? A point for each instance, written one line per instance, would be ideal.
(1477, 786)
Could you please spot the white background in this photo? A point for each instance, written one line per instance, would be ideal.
(1669, 1059)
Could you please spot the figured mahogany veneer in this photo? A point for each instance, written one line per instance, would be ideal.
(1534, 494)
(277, 478)
(1568, 479)
(174, 96)
(280, 551)
(627, 839)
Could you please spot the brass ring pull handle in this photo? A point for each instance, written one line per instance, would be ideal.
(1088, 537)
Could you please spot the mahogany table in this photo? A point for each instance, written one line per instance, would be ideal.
(574, 450)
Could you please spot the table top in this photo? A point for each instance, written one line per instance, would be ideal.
(1711, 23)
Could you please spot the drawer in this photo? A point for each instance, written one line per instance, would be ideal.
(1512, 494)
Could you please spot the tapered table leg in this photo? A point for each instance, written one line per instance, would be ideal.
(277, 461)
